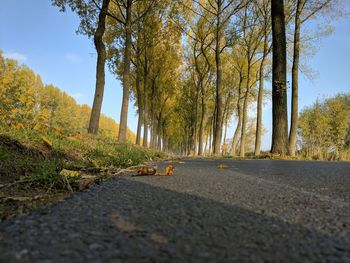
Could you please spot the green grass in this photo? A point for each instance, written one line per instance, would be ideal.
(27, 160)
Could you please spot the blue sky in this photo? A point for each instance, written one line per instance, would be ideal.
(37, 34)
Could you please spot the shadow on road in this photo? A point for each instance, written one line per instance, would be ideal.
(135, 222)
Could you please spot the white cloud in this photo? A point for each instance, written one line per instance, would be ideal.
(16, 56)
(72, 58)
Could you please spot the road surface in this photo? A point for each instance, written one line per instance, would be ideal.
(248, 211)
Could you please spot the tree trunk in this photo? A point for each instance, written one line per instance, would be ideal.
(244, 122)
(237, 132)
(226, 124)
(159, 141)
(206, 145)
(195, 150)
(100, 69)
(245, 108)
(123, 126)
(210, 138)
(218, 120)
(145, 106)
(295, 82)
(139, 99)
(159, 131)
(239, 115)
(260, 97)
(139, 127)
(279, 91)
(225, 116)
(202, 121)
(153, 116)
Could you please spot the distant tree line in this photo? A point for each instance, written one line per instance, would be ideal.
(324, 129)
(25, 102)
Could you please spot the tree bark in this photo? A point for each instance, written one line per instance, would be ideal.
(139, 127)
(139, 99)
(123, 126)
(218, 119)
(237, 132)
(100, 69)
(244, 119)
(159, 132)
(261, 96)
(210, 138)
(295, 81)
(202, 121)
(239, 115)
(225, 115)
(279, 91)
(145, 106)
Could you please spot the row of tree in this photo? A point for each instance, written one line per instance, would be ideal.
(26, 102)
(190, 66)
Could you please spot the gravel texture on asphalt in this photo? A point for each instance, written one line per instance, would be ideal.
(250, 211)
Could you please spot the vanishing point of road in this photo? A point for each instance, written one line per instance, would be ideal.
(247, 211)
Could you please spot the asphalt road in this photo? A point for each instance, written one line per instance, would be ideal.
(249, 211)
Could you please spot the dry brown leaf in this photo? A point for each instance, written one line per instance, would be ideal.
(169, 170)
(146, 170)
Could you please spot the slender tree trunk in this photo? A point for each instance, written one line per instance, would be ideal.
(159, 131)
(225, 115)
(100, 69)
(260, 97)
(218, 120)
(126, 76)
(279, 89)
(202, 121)
(210, 138)
(239, 115)
(139, 127)
(153, 116)
(139, 99)
(196, 124)
(244, 122)
(245, 109)
(237, 131)
(295, 82)
(145, 101)
(225, 133)
(206, 145)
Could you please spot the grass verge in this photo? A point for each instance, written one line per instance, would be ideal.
(31, 164)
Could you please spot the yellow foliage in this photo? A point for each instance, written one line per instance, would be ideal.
(26, 101)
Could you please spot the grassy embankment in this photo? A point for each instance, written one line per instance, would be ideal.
(31, 165)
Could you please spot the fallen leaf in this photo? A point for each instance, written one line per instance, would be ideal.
(169, 170)
(146, 170)
(221, 166)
